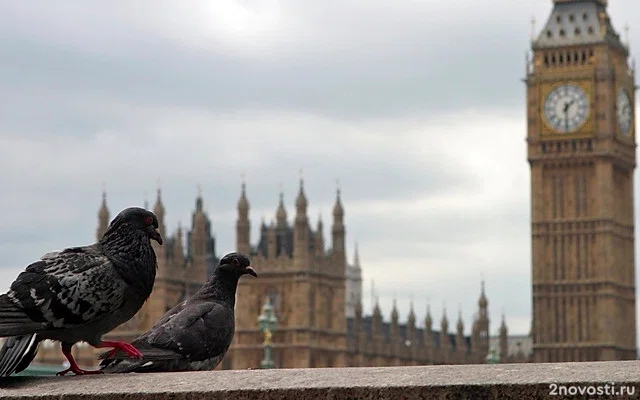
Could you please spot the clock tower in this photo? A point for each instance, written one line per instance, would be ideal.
(582, 154)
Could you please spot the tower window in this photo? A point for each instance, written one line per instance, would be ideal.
(585, 16)
(558, 19)
(590, 30)
(571, 17)
(577, 31)
(562, 33)
(549, 34)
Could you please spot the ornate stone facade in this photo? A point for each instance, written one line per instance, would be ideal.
(316, 294)
(582, 153)
(306, 282)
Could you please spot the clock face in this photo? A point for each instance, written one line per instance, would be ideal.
(566, 108)
(623, 111)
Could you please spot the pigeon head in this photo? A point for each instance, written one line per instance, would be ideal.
(138, 219)
(237, 263)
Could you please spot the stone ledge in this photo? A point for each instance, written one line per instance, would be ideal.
(477, 382)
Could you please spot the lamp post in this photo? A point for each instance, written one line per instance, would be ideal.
(492, 357)
(268, 323)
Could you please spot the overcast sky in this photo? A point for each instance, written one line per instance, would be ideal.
(417, 107)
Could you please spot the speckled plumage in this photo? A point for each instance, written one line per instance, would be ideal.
(195, 334)
(80, 293)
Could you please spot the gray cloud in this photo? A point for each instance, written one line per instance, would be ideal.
(417, 108)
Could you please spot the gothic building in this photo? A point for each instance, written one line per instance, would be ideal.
(582, 154)
(317, 299)
(315, 292)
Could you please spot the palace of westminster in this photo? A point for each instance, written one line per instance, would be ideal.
(580, 100)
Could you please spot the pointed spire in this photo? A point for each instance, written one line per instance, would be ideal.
(158, 208)
(427, 319)
(243, 226)
(338, 211)
(394, 311)
(444, 322)
(320, 237)
(376, 307)
(482, 301)
(199, 198)
(460, 323)
(503, 325)
(104, 210)
(356, 256)
(243, 202)
(412, 314)
(301, 201)
(103, 216)
(281, 213)
(146, 200)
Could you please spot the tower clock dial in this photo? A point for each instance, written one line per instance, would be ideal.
(623, 111)
(566, 108)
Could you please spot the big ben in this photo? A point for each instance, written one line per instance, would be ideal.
(582, 155)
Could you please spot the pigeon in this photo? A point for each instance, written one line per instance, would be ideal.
(195, 334)
(80, 293)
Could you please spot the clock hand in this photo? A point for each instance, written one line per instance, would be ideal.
(567, 105)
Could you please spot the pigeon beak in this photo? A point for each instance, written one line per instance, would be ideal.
(250, 271)
(155, 235)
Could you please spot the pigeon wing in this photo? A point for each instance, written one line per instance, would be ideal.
(68, 288)
(197, 333)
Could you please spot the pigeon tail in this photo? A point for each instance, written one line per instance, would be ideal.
(16, 354)
(14, 321)
(123, 366)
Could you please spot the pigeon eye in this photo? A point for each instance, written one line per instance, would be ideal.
(235, 262)
(148, 220)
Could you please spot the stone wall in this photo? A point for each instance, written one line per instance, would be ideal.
(477, 382)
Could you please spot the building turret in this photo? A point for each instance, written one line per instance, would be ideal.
(445, 343)
(460, 340)
(376, 321)
(281, 213)
(504, 341)
(428, 333)
(243, 225)
(198, 241)
(103, 217)
(394, 322)
(411, 326)
(301, 232)
(338, 231)
(319, 245)
(483, 321)
(158, 210)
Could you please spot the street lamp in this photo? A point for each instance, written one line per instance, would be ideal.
(268, 323)
(492, 357)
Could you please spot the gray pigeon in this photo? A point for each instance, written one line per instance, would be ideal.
(195, 334)
(80, 293)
